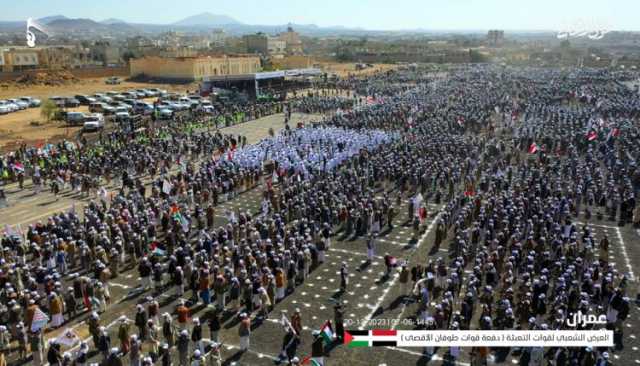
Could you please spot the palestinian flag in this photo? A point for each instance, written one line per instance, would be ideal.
(326, 331)
(370, 338)
(614, 132)
(313, 361)
(592, 135)
(533, 148)
(184, 222)
(18, 167)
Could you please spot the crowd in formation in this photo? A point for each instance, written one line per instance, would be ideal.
(519, 160)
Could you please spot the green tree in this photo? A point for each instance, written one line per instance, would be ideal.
(48, 110)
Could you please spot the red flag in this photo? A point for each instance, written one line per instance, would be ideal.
(592, 135)
(533, 148)
(229, 155)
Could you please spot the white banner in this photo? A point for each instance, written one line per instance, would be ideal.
(502, 338)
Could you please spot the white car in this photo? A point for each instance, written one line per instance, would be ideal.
(165, 113)
(206, 109)
(33, 102)
(4, 108)
(21, 104)
(158, 92)
(122, 116)
(93, 122)
(12, 107)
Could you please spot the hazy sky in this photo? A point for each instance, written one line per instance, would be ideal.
(369, 14)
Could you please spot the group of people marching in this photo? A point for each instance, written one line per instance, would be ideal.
(519, 163)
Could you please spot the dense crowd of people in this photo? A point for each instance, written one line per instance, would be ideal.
(519, 160)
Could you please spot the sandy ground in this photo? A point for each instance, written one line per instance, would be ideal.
(84, 86)
(17, 127)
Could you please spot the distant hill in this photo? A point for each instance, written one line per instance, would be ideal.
(87, 25)
(49, 19)
(206, 19)
(113, 21)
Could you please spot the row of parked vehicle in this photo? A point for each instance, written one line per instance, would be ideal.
(17, 104)
(172, 103)
(110, 97)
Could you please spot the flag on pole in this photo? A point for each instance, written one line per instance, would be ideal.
(533, 148)
(287, 324)
(326, 331)
(40, 319)
(592, 135)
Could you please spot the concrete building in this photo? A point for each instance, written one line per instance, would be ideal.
(19, 59)
(192, 68)
(106, 53)
(292, 39)
(495, 37)
(217, 38)
(257, 43)
(276, 46)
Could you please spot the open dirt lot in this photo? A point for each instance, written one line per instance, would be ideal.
(17, 127)
(83, 86)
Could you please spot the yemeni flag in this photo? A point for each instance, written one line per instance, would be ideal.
(326, 331)
(370, 338)
(533, 148)
(461, 121)
(592, 135)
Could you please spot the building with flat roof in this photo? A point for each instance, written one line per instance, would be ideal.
(193, 68)
(495, 37)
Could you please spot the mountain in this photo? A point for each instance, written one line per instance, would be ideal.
(206, 19)
(88, 26)
(51, 18)
(113, 21)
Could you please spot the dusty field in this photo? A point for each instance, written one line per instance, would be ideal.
(84, 86)
(17, 127)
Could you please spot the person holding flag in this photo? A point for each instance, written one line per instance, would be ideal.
(289, 345)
